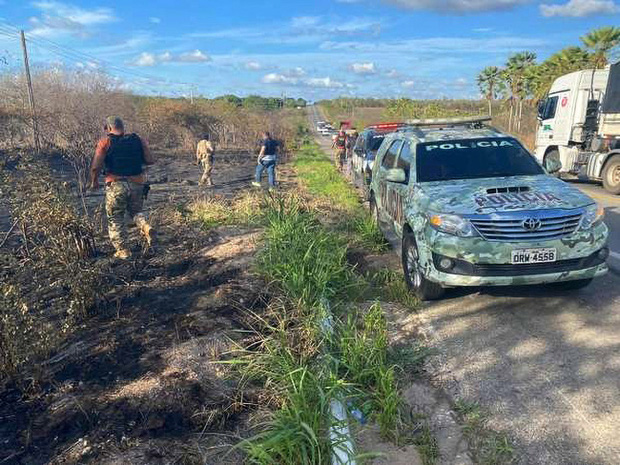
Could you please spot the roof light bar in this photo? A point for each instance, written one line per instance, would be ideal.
(387, 125)
(448, 121)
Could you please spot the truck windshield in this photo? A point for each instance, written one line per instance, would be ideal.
(471, 159)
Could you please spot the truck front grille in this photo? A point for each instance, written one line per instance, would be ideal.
(527, 226)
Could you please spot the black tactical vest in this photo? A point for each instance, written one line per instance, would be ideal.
(125, 156)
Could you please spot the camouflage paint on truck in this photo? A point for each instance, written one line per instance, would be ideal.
(409, 205)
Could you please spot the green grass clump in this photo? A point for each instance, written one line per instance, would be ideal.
(392, 287)
(243, 210)
(425, 442)
(488, 447)
(362, 351)
(303, 257)
(321, 178)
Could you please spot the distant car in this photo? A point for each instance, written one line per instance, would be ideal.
(365, 150)
(470, 206)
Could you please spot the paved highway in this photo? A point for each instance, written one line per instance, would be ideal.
(544, 363)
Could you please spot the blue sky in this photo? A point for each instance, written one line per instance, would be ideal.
(302, 48)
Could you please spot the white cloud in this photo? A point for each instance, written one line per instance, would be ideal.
(155, 20)
(296, 72)
(59, 18)
(363, 68)
(151, 59)
(453, 6)
(325, 82)
(193, 57)
(253, 66)
(461, 82)
(305, 21)
(299, 30)
(165, 57)
(453, 46)
(145, 59)
(392, 74)
(580, 8)
(408, 84)
(275, 78)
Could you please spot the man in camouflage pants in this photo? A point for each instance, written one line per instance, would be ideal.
(123, 156)
(204, 155)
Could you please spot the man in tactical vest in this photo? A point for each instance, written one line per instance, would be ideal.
(123, 156)
(340, 152)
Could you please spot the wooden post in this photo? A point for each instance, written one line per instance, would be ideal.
(35, 129)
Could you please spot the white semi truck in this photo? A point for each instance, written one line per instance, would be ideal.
(579, 127)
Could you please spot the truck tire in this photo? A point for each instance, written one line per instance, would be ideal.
(552, 154)
(611, 175)
(416, 282)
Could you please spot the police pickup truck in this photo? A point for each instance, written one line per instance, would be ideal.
(469, 206)
(365, 150)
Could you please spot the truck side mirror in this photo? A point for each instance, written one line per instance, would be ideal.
(396, 175)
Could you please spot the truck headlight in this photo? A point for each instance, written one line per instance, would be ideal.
(593, 215)
(452, 224)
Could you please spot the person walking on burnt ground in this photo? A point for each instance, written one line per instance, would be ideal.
(267, 160)
(204, 155)
(340, 150)
(123, 156)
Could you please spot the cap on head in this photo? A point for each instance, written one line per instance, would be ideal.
(114, 122)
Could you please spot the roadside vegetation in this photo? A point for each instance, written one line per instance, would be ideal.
(487, 446)
(321, 340)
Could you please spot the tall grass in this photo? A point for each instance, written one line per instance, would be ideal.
(321, 179)
(302, 367)
(303, 257)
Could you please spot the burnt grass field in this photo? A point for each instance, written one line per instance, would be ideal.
(133, 381)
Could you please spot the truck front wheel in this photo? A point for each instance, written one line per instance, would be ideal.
(611, 175)
(552, 155)
(414, 276)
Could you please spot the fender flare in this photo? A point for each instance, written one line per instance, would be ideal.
(609, 154)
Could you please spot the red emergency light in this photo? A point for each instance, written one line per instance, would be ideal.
(388, 125)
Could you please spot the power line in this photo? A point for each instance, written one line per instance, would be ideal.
(68, 53)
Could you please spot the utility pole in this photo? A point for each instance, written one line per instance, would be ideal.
(35, 128)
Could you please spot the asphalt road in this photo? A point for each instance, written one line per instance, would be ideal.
(543, 363)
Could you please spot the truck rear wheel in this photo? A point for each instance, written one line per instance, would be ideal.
(414, 276)
(611, 175)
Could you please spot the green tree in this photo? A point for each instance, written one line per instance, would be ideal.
(541, 77)
(488, 81)
(514, 74)
(601, 42)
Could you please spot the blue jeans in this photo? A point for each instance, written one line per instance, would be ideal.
(270, 166)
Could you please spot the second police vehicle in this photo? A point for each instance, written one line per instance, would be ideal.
(470, 206)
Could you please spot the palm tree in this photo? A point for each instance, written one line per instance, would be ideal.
(514, 75)
(601, 42)
(539, 78)
(488, 81)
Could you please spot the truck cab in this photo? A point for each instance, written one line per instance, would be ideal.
(579, 126)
